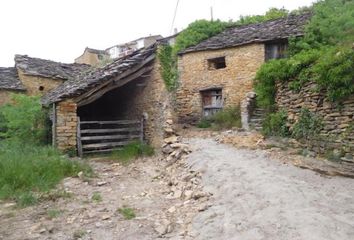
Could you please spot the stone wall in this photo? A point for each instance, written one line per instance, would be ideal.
(236, 79)
(66, 124)
(152, 101)
(5, 96)
(36, 85)
(88, 58)
(338, 120)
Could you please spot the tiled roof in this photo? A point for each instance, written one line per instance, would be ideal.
(80, 85)
(281, 28)
(48, 68)
(9, 79)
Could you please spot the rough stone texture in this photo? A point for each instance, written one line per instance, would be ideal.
(9, 79)
(34, 84)
(236, 79)
(152, 102)
(4, 96)
(338, 121)
(247, 107)
(66, 124)
(91, 57)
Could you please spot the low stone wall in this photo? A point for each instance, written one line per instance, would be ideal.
(338, 119)
(66, 124)
(247, 107)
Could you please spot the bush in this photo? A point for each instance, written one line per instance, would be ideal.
(26, 170)
(132, 151)
(275, 124)
(23, 120)
(168, 63)
(227, 118)
(204, 123)
(308, 125)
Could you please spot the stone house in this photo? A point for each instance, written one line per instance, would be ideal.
(219, 71)
(92, 57)
(127, 90)
(35, 76)
(9, 83)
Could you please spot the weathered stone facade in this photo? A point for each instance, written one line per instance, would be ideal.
(65, 125)
(338, 120)
(36, 85)
(236, 79)
(5, 96)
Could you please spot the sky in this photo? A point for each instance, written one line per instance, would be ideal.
(60, 30)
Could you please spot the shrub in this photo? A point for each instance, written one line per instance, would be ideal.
(275, 124)
(128, 213)
(26, 170)
(23, 120)
(132, 151)
(227, 118)
(204, 123)
(272, 13)
(308, 125)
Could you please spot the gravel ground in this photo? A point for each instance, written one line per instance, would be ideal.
(255, 197)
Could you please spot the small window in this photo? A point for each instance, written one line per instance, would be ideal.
(41, 88)
(100, 56)
(212, 101)
(275, 50)
(216, 63)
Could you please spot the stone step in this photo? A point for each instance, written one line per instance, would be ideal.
(256, 120)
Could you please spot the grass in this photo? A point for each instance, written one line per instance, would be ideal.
(78, 234)
(127, 213)
(53, 213)
(96, 197)
(224, 119)
(132, 151)
(27, 171)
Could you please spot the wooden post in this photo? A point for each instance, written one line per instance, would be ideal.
(54, 122)
(78, 138)
(142, 129)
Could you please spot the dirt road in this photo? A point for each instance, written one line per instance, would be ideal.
(258, 198)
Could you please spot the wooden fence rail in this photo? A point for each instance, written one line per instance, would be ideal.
(106, 136)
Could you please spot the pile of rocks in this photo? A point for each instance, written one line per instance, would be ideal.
(172, 147)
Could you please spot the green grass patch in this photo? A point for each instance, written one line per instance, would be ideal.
(132, 151)
(53, 213)
(225, 119)
(96, 197)
(26, 171)
(127, 213)
(275, 124)
(204, 123)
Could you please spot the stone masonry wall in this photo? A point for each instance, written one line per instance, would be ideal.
(153, 101)
(5, 96)
(338, 120)
(66, 124)
(34, 83)
(236, 79)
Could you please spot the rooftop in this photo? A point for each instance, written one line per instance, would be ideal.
(9, 79)
(282, 28)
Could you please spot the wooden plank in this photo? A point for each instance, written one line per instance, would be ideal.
(54, 128)
(110, 137)
(112, 122)
(78, 138)
(105, 145)
(111, 130)
(101, 150)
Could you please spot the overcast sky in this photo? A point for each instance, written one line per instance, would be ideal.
(61, 29)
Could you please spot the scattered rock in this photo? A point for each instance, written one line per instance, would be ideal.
(106, 217)
(188, 194)
(172, 139)
(172, 209)
(101, 183)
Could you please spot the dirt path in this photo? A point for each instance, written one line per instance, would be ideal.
(255, 197)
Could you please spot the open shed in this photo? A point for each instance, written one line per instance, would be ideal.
(109, 107)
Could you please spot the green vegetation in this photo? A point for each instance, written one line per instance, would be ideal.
(308, 125)
(27, 167)
(275, 125)
(24, 120)
(323, 55)
(168, 67)
(132, 151)
(224, 119)
(78, 234)
(127, 213)
(53, 213)
(272, 13)
(96, 197)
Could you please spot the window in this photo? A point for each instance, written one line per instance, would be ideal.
(216, 63)
(212, 101)
(275, 50)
